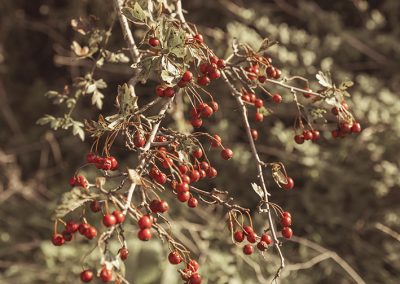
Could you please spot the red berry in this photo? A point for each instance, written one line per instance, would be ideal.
(356, 128)
(211, 172)
(195, 279)
(183, 169)
(182, 187)
(254, 134)
(248, 230)
(221, 63)
(196, 122)
(289, 184)
(144, 234)
(182, 84)
(213, 59)
(307, 135)
(183, 196)
(215, 74)
(216, 141)
(145, 222)
(203, 80)
(246, 98)
(119, 216)
(161, 178)
(262, 246)
(71, 181)
(299, 139)
(316, 135)
(186, 179)
(123, 253)
(276, 98)
(192, 202)
(67, 236)
(286, 214)
(278, 73)
(198, 38)
(91, 158)
(262, 79)
(248, 249)
(194, 176)
(169, 92)
(251, 238)
(109, 220)
(308, 94)
(270, 72)
(204, 165)
(258, 103)
(90, 233)
(286, 221)
(238, 236)
(86, 276)
(335, 111)
(207, 111)
(266, 239)
(154, 42)
(203, 67)
(193, 265)
(287, 232)
(174, 258)
(139, 140)
(105, 274)
(259, 117)
(71, 227)
(83, 227)
(160, 91)
(114, 163)
(162, 206)
(226, 154)
(187, 76)
(58, 240)
(214, 105)
(335, 133)
(345, 127)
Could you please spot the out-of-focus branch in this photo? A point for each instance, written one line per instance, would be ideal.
(388, 231)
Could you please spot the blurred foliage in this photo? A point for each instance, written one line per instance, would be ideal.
(344, 188)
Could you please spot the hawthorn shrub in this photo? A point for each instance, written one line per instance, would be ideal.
(168, 161)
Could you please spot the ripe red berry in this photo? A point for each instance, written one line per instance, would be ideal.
(160, 91)
(262, 79)
(58, 240)
(174, 258)
(207, 111)
(196, 122)
(187, 76)
(248, 230)
(192, 202)
(169, 92)
(238, 236)
(270, 72)
(262, 246)
(216, 141)
(335, 111)
(248, 249)
(71, 181)
(183, 169)
(226, 154)
(215, 74)
(109, 220)
(287, 232)
(186, 179)
(203, 80)
(139, 140)
(246, 98)
(144, 234)
(114, 163)
(162, 206)
(259, 117)
(286, 214)
(316, 135)
(345, 127)
(308, 94)
(67, 236)
(195, 279)
(214, 105)
(266, 238)
(71, 227)
(182, 187)
(213, 59)
(221, 63)
(90, 232)
(356, 128)
(276, 98)
(251, 238)
(278, 73)
(119, 216)
(203, 67)
(154, 42)
(204, 165)
(105, 274)
(91, 158)
(286, 221)
(289, 184)
(145, 222)
(198, 38)
(194, 176)
(86, 276)
(254, 134)
(183, 196)
(307, 135)
(193, 265)
(123, 253)
(335, 133)
(299, 139)
(83, 227)
(161, 178)
(182, 84)
(211, 172)
(259, 103)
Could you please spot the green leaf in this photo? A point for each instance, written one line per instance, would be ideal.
(45, 119)
(178, 51)
(176, 38)
(97, 99)
(127, 102)
(134, 14)
(324, 79)
(100, 84)
(78, 130)
(169, 72)
(72, 200)
(91, 89)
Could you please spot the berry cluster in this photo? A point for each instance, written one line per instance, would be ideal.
(262, 242)
(79, 181)
(286, 222)
(104, 163)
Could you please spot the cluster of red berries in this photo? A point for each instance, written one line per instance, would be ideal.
(262, 242)
(190, 274)
(346, 128)
(116, 217)
(146, 221)
(286, 222)
(269, 72)
(202, 110)
(106, 275)
(79, 181)
(71, 227)
(104, 163)
(312, 135)
(210, 70)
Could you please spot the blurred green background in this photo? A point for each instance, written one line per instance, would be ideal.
(347, 191)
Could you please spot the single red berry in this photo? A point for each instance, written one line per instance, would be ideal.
(160, 91)
(58, 240)
(123, 253)
(183, 196)
(216, 141)
(87, 276)
(299, 139)
(195, 279)
(119, 216)
(316, 135)
(182, 187)
(91, 158)
(238, 236)
(196, 122)
(198, 38)
(204, 165)
(335, 111)
(266, 238)
(214, 105)
(71, 227)
(105, 274)
(95, 206)
(90, 232)
(307, 135)
(145, 222)
(278, 73)
(276, 98)
(207, 111)
(251, 238)
(106, 164)
(335, 133)
(253, 98)
(213, 59)
(286, 221)
(161, 178)
(254, 134)
(287, 232)
(187, 76)
(286, 214)
(182, 84)
(345, 127)
(203, 80)
(211, 67)
(248, 230)
(192, 202)
(356, 128)
(270, 72)
(248, 249)
(221, 63)
(194, 176)
(193, 265)
(186, 179)
(67, 236)
(262, 246)
(226, 154)
(259, 117)
(114, 163)
(259, 103)
(109, 220)
(139, 140)
(215, 74)
(162, 206)
(72, 181)
(204, 67)
(289, 184)
(154, 42)
(154, 205)
(183, 169)
(262, 79)
(174, 258)
(308, 94)
(211, 172)
(169, 92)
(144, 234)
(246, 98)
(83, 228)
